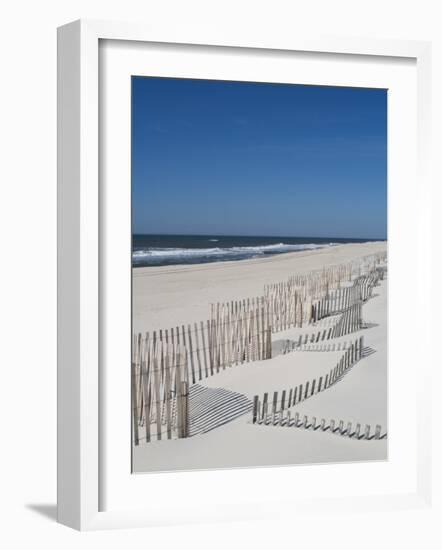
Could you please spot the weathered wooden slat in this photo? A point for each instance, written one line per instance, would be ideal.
(255, 409)
(167, 391)
(144, 373)
(210, 346)
(190, 353)
(197, 351)
(157, 394)
(179, 398)
(136, 438)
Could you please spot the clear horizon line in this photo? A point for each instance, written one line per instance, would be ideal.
(256, 235)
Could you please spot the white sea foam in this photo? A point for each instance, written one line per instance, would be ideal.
(235, 252)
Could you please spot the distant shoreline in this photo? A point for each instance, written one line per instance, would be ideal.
(244, 261)
(165, 295)
(173, 250)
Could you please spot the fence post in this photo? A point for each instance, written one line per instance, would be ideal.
(157, 396)
(181, 398)
(265, 407)
(255, 409)
(167, 388)
(275, 400)
(377, 432)
(269, 343)
(134, 406)
(186, 408)
(283, 399)
(203, 340)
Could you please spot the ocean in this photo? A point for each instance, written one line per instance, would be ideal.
(157, 250)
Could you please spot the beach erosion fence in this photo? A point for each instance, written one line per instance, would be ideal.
(299, 301)
(275, 411)
(240, 332)
(333, 427)
(307, 298)
(350, 321)
(341, 299)
(290, 302)
(167, 361)
(160, 389)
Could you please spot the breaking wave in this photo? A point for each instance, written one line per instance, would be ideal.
(167, 256)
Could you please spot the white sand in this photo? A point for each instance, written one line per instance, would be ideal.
(167, 296)
(361, 396)
(164, 297)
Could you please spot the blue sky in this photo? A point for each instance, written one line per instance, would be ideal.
(237, 158)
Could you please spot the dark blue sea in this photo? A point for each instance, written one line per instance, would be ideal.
(156, 250)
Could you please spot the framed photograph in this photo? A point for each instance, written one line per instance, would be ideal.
(235, 251)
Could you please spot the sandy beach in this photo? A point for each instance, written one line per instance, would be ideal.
(168, 296)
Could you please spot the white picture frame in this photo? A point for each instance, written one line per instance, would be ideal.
(80, 395)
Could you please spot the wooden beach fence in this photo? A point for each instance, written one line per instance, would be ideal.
(237, 333)
(349, 321)
(341, 428)
(166, 362)
(321, 347)
(307, 298)
(240, 331)
(160, 389)
(341, 299)
(263, 413)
